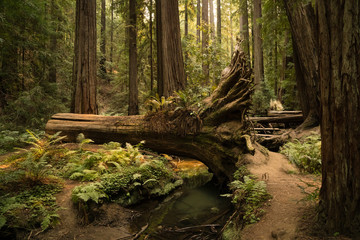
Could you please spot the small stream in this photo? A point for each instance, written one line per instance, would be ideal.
(188, 213)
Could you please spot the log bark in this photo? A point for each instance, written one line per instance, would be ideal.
(279, 119)
(216, 134)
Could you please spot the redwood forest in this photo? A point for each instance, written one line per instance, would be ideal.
(180, 119)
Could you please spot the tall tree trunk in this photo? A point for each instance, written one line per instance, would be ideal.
(205, 39)
(103, 37)
(112, 34)
(151, 48)
(258, 50)
(198, 23)
(53, 41)
(303, 26)
(218, 23)
(133, 82)
(84, 70)
(244, 27)
(171, 74)
(339, 58)
(212, 20)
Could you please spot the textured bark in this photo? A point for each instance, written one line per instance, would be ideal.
(84, 70)
(305, 46)
(258, 51)
(339, 58)
(218, 23)
(171, 74)
(244, 28)
(103, 37)
(205, 38)
(216, 136)
(133, 81)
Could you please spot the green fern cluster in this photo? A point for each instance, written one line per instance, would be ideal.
(305, 154)
(129, 185)
(29, 209)
(248, 195)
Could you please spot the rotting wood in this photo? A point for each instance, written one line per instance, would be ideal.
(275, 113)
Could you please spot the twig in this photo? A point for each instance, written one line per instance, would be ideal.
(199, 226)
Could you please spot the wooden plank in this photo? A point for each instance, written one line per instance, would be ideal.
(267, 129)
(283, 112)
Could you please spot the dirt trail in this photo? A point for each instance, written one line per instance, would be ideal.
(284, 210)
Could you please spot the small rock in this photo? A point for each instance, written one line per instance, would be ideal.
(278, 234)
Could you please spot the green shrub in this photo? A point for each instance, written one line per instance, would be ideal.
(9, 140)
(305, 154)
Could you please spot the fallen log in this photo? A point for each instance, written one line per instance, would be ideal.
(277, 113)
(215, 134)
(297, 118)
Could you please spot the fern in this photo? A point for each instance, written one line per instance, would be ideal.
(306, 154)
(88, 192)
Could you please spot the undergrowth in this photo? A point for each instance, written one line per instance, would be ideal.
(305, 154)
(248, 196)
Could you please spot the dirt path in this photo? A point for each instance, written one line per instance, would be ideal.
(284, 211)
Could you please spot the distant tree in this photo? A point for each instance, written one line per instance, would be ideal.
(258, 51)
(212, 19)
(244, 27)
(151, 46)
(205, 38)
(133, 82)
(339, 68)
(198, 21)
(53, 40)
(84, 70)
(171, 74)
(218, 23)
(112, 34)
(103, 37)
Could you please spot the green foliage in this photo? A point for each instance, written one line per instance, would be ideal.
(88, 192)
(128, 185)
(29, 209)
(305, 154)
(248, 196)
(9, 140)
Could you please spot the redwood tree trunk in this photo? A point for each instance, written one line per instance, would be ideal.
(84, 70)
(103, 37)
(133, 82)
(305, 46)
(205, 39)
(198, 19)
(218, 23)
(171, 74)
(244, 27)
(258, 51)
(339, 26)
(212, 20)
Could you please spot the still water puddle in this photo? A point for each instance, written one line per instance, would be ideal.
(188, 213)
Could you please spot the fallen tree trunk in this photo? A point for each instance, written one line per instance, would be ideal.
(215, 134)
(297, 118)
